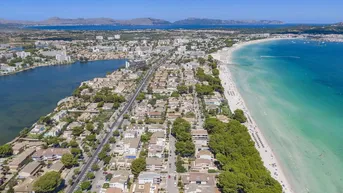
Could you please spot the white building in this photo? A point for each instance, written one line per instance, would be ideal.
(23, 54)
(130, 134)
(55, 131)
(127, 64)
(58, 116)
(131, 146)
(99, 37)
(38, 129)
(120, 180)
(149, 177)
(117, 36)
(63, 57)
(7, 69)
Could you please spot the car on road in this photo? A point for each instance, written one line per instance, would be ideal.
(168, 176)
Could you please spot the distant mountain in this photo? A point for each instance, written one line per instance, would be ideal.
(4, 21)
(340, 24)
(137, 21)
(144, 21)
(204, 21)
(77, 21)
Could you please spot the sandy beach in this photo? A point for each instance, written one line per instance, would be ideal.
(236, 102)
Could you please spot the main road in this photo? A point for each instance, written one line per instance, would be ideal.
(115, 126)
(172, 178)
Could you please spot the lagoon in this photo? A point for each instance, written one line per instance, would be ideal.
(28, 95)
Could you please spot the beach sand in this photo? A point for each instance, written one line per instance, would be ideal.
(236, 102)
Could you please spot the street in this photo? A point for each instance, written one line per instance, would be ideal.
(115, 126)
(172, 181)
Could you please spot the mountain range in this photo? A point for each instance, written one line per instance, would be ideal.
(137, 21)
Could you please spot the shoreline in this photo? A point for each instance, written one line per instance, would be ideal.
(55, 64)
(38, 66)
(236, 101)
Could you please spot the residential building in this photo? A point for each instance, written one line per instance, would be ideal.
(198, 178)
(63, 57)
(38, 129)
(202, 165)
(107, 106)
(49, 154)
(114, 190)
(99, 37)
(149, 177)
(117, 36)
(130, 134)
(59, 115)
(56, 131)
(23, 54)
(30, 169)
(26, 186)
(18, 147)
(156, 128)
(199, 134)
(154, 164)
(145, 188)
(21, 159)
(57, 166)
(120, 180)
(205, 154)
(131, 147)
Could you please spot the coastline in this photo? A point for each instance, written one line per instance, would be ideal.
(37, 66)
(236, 101)
(55, 64)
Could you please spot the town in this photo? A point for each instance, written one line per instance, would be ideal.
(152, 126)
(25, 50)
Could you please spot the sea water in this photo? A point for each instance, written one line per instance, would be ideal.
(294, 90)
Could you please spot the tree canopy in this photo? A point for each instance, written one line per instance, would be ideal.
(213, 81)
(49, 182)
(243, 169)
(107, 96)
(77, 131)
(138, 165)
(213, 125)
(6, 150)
(68, 160)
(239, 116)
(182, 132)
(182, 89)
(140, 96)
(85, 185)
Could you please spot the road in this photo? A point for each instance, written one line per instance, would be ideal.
(116, 124)
(171, 187)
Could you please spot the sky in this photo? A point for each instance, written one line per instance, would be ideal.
(290, 11)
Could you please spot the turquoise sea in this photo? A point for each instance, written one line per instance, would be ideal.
(28, 95)
(294, 90)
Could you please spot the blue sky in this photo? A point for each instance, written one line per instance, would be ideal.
(291, 11)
